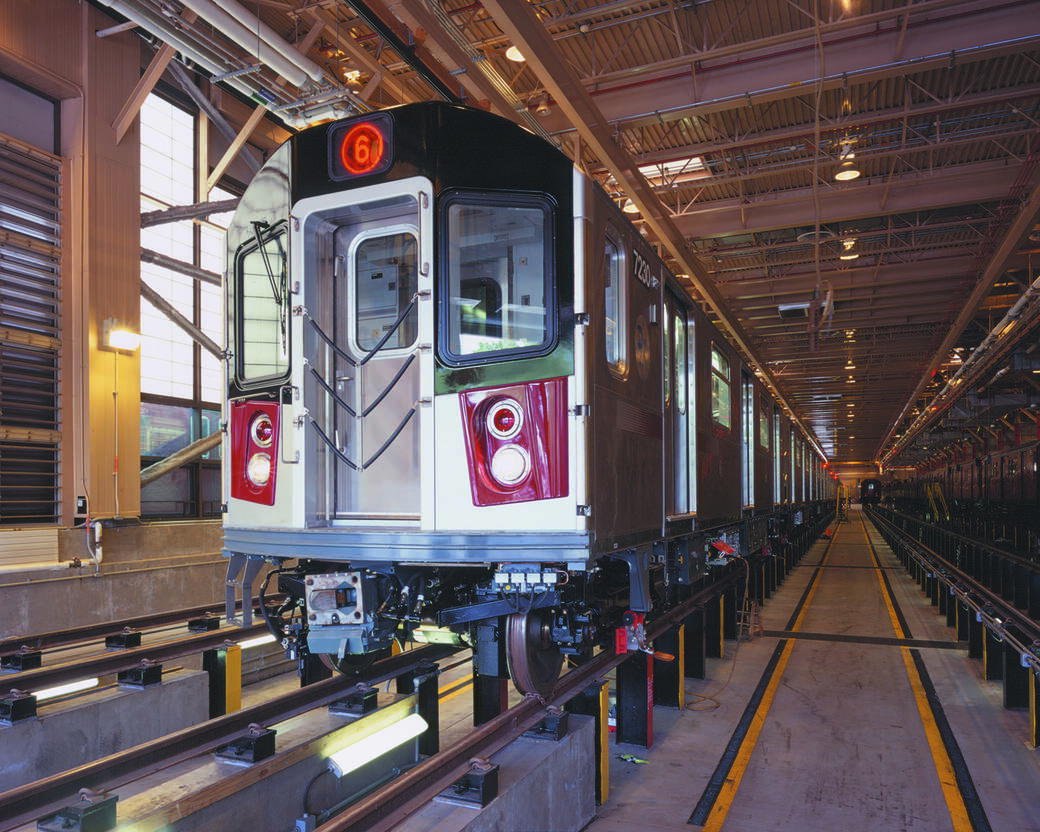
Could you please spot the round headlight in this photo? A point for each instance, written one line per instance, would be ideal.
(505, 418)
(258, 469)
(510, 465)
(262, 430)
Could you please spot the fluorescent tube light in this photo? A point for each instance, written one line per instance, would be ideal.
(375, 745)
(61, 690)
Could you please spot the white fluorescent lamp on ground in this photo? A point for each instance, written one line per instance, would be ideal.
(61, 690)
(257, 642)
(375, 745)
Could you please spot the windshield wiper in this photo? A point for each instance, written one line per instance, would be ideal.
(259, 226)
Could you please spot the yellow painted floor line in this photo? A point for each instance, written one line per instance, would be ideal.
(728, 792)
(449, 692)
(943, 766)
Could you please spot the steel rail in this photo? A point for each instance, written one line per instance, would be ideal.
(416, 787)
(1018, 560)
(106, 664)
(969, 591)
(28, 802)
(89, 632)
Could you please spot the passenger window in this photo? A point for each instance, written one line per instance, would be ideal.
(720, 382)
(497, 285)
(680, 364)
(763, 422)
(386, 273)
(614, 303)
(667, 359)
(262, 307)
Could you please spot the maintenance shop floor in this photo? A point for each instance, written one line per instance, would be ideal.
(842, 738)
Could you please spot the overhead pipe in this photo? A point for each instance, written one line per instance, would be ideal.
(248, 40)
(254, 25)
(991, 341)
(160, 28)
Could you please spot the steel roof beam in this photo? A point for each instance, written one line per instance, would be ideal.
(982, 182)
(865, 55)
(521, 24)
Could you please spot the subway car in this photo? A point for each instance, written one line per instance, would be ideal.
(462, 387)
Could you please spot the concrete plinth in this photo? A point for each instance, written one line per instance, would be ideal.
(79, 730)
(542, 785)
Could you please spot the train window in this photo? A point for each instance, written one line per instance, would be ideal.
(496, 288)
(667, 358)
(777, 497)
(680, 364)
(386, 269)
(262, 309)
(763, 422)
(720, 406)
(614, 302)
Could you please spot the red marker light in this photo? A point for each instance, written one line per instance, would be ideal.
(504, 420)
(362, 149)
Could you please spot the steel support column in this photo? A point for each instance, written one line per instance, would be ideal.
(669, 673)
(695, 646)
(594, 701)
(634, 707)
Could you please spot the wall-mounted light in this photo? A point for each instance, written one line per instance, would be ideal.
(375, 745)
(116, 336)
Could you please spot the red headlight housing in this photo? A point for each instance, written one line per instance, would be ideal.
(516, 441)
(254, 450)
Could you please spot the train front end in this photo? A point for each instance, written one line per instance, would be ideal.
(404, 424)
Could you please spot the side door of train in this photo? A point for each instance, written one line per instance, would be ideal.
(624, 302)
(680, 426)
(366, 257)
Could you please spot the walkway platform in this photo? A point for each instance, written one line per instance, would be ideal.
(856, 709)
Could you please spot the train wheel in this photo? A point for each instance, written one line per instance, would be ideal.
(534, 661)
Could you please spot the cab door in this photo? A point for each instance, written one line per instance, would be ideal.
(680, 429)
(368, 363)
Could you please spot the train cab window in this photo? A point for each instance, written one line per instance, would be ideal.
(497, 290)
(720, 382)
(386, 270)
(262, 314)
(614, 303)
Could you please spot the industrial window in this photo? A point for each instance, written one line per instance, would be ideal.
(182, 383)
(720, 382)
(506, 240)
(30, 297)
(615, 306)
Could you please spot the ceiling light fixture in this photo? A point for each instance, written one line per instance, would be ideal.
(847, 171)
(848, 251)
(515, 55)
(629, 207)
